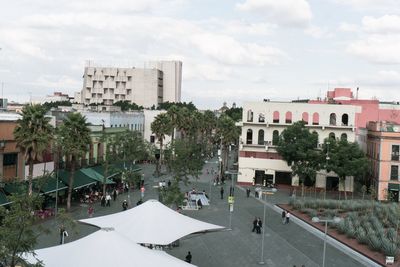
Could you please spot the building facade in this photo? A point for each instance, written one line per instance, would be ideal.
(144, 86)
(263, 122)
(383, 146)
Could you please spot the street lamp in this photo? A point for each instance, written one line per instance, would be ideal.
(326, 221)
(261, 262)
(209, 192)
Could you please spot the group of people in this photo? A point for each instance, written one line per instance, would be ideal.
(257, 225)
(285, 217)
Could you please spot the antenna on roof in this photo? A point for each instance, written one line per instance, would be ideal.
(357, 92)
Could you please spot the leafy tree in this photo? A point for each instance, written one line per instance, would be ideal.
(33, 135)
(167, 105)
(17, 228)
(235, 113)
(208, 127)
(49, 105)
(227, 133)
(297, 147)
(346, 159)
(127, 105)
(172, 195)
(161, 127)
(74, 138)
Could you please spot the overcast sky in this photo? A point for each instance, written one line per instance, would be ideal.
(232, 50)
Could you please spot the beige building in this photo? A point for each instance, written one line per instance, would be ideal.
(263, 122)
(144, 86)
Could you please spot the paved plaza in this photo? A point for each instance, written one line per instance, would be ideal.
(285, 245)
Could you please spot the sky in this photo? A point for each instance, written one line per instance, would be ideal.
(232, 50)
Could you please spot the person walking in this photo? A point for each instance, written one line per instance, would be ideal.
(287, 217)
(283, 216)
(115, 195)
(248, 192)
(108, 200)
(222, 192)
(63, 234)
(259, 226)
(90, 210)
(254, 224)
(188, 257)
(142, 191)
(124, 205)
(103, 201)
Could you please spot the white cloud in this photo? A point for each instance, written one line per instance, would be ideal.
(240, 27)
(348, 27)
(295, 13)
(383, 5)
(318, 32)
(386, 24)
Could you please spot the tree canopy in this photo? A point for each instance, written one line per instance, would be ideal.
(126, 105)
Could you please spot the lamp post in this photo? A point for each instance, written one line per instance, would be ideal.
(326, 221)
(261, 262)
(326, 169)
(209, 190)
(2, 147)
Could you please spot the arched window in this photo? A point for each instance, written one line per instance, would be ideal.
(343, 136)
(345, 119)
(316, 137)
(315, 118)
(304, 117)
(261, 117)
(275, 137)
(249, 115)
(332, 119)
(261, 137)
(332, 135)
(288, 117)
(249, 137)
(276, 117)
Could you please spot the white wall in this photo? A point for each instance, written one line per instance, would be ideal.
(38, 169)
(149, 116)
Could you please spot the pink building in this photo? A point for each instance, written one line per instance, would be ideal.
(383, 146)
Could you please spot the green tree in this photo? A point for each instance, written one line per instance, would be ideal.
(209, 126)
(74, 138)
(33, 135)
(297, 146)
(346, 159)
(48, 105)
(18, 234)
(227, 133)
(161, 126)
(126, 105)
(235, 113)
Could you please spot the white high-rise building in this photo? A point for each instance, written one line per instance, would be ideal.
(159, 82)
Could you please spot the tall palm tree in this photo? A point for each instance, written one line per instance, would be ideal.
(33, 134)
(74, 138)
(161, 126)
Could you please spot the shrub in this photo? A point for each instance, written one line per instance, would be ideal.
(389, 248)
(329, 213)
(350, 229)
(374, 242)
(391, 234)
(361, 235)
(341, 227)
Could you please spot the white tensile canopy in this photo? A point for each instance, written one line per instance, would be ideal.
(152, 223)
(104, 248)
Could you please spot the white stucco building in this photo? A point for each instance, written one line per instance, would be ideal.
(149, 116)
(157, 83)
(263, 122)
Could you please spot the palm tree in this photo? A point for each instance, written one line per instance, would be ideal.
(161, 126)
(74, 139)
(33, 135)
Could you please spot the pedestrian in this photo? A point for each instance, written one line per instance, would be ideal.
(108, 200)
(231, 191)
(259, 226)
(124, 205)
(103, 201)
(283, 216)
(63, 234)
(208, 172)
(139, 202)
(169, 183)
(90, 210)
(222, 192)
(287, 217)
(188, 257)
(254, 224)
(142, 191)
(248, 192)
(115, 195)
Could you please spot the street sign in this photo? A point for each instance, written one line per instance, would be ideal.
(231, 199)
(269, 193)
(231, 207)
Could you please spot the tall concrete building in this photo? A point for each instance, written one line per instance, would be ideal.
(157, 83)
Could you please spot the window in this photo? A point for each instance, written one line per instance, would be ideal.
(394, 172)
(304, 117)
(288, 117)
(249, 137)
(316, 138)
(345, 119)
(395, 152)
(249, 115)
(275, 117)
(261, 137)
(343, 136)
(10, 159)
(332, 119)
(261, 118)
(315, 118)
(332, 136)
(275, 137)
(152, 139)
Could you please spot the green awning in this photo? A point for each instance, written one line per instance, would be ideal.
(394, 187)
(95, 175)
(48, 185)
(128, 166)
(3, 199)
(80, 179)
